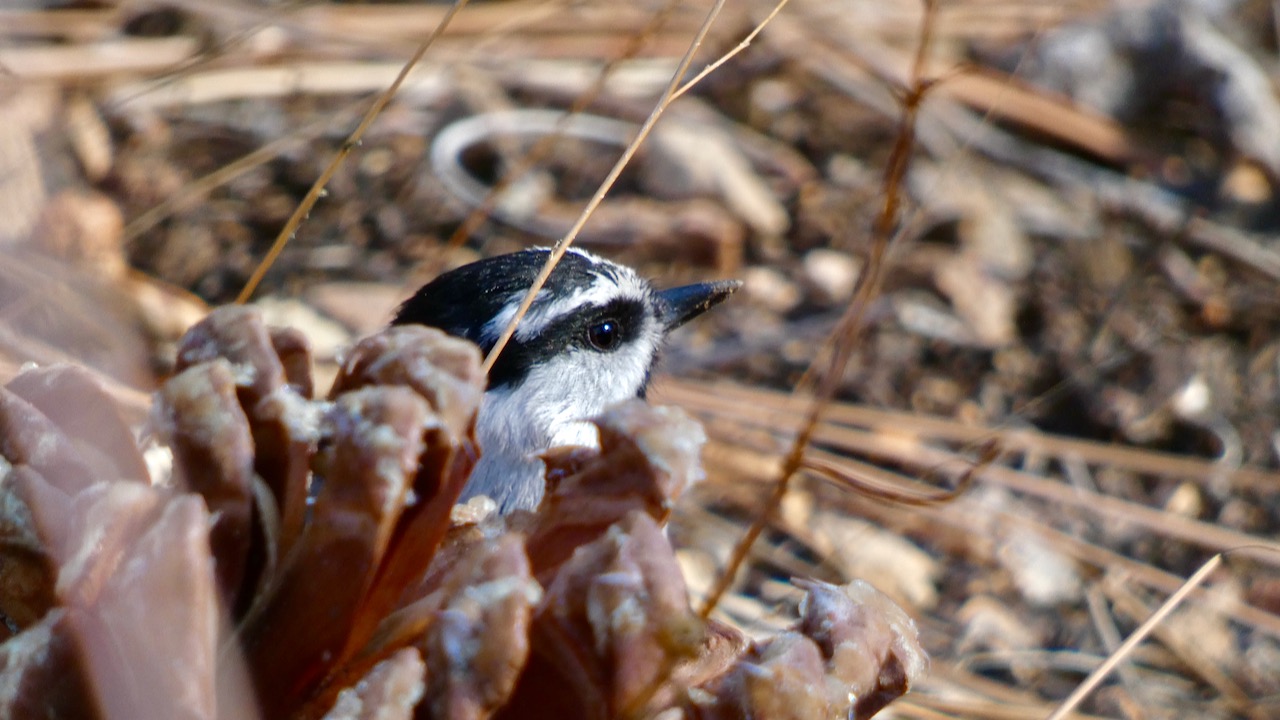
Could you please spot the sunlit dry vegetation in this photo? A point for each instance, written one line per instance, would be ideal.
(1006, 363)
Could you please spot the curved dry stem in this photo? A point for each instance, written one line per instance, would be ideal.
(547, 142)
(989, 452)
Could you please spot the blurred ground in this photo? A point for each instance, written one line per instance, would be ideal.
(1085, 274)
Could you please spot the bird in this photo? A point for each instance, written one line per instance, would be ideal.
(590, 340)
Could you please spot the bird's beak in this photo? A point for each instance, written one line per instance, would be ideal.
(682, 304)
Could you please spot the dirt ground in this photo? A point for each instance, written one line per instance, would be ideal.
(1079, 316)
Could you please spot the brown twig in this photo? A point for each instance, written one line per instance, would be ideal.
(317, 189)
(746, 42)
(851, 324)
(562, 246)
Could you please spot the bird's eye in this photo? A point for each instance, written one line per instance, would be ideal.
(604, 335)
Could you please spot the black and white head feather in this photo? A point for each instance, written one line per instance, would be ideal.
(588, 341)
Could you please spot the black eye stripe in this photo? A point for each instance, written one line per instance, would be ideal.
(626, 315)
(463, 301)
(563, 334)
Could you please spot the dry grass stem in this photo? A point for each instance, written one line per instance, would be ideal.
(546, 143)
(562, 246)
(850, 326)
(1127, 647)
(1007, 349)
(317, 189)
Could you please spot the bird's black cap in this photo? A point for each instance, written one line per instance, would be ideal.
(472, 301)
(461, 301)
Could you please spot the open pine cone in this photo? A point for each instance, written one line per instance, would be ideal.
(267, 554)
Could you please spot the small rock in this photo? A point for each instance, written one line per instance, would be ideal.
(985, 303)
(770, 288)
(990, 625)
(1186, 501)
(1043, 574)
(774, 96)
(847, 171)
(1246, 183)
(831, 274)
(892, 563)
(1194, 400)
(921, 314)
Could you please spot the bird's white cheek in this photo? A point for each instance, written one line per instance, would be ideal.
(554, 403)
